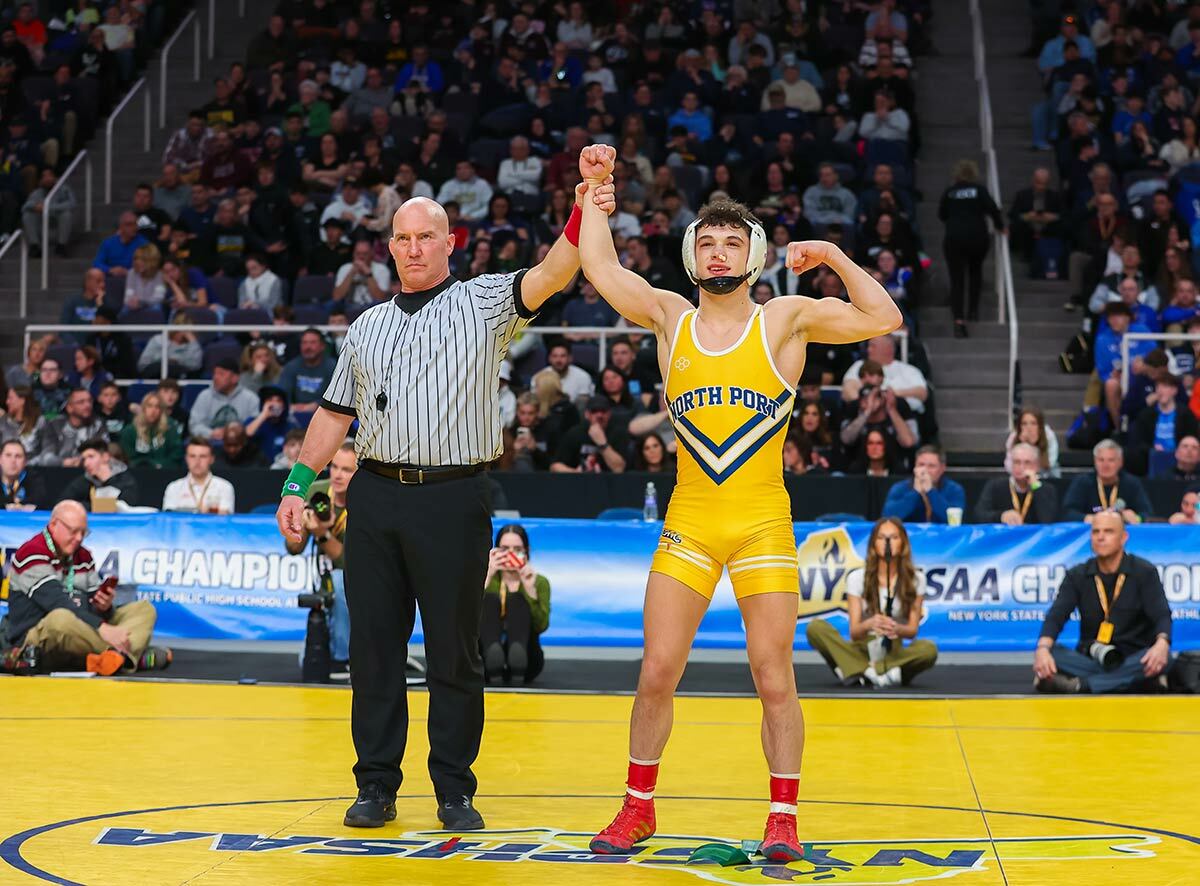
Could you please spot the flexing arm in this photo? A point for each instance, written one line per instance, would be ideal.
(631, 296)
(870, 311)
(562, 261)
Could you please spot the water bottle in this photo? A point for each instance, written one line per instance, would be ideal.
(650, 505)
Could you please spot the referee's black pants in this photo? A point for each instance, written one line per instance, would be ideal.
(410, 546)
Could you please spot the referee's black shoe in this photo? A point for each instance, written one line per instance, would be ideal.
(374, 807)
(458, 814)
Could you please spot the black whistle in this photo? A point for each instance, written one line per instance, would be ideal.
(381, 401)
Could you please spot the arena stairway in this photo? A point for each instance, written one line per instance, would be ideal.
(131, 165)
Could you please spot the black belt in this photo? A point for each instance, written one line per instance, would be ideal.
(412, 475)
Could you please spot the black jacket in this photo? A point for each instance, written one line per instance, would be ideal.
(1082, 497)
(965, 208)
(1141, 435)
(80, 489)
(1138, 615)
(996, 498)
(30, 489)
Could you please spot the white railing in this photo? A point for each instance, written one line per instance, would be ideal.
(603, 333)
(1147, 336)
(1006, 309)
(212, 28)
(108, 133)
(24, 285)
(81, 158)
(190, 19)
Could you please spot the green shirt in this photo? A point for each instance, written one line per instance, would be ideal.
(157, 452)
(539, 609)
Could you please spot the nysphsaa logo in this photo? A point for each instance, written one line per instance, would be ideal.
(826, 557)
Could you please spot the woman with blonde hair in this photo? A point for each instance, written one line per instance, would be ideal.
(152, 438)
(884, 602)
(260, 366)
(144, 286)
(965, 208)
(1030, 427)
(555, 409)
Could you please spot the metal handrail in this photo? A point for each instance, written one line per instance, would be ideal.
(81, 157)
(1006, 308)
(24, 286)
(604, 333)
(1147, 336)
(212, 28)
(108, 134)
(190, 19)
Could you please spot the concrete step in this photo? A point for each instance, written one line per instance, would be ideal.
(956, 399)
(964, 439)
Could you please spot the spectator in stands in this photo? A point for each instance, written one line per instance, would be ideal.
(274, 46)
(652, 455)
(50, 388)
(371, 96)
(153, 224)
(520, 175)
(286, 459)
(877, 407)
(60, 211)
(188, 147)
(886, 121)
(305, 378)
(260, 288)
(877, 456)
(516, 607)
(23, 421)
(171, 193)
(1139, 628)
(1133, 288)
(89, 372)
(116, 348)
(362, 281)
(185, 357)
(171, 394)
(238, 450)
(1161, 425)
(587, 448)
(1118, 318)
(104, 479)
(144, 286)
(81, 309)
(259, 367)
(314, 111)
(120, 39)
(112, 410)
(224, 248)
(1107, 487)
(587, 309)
(1030, 427)
(198, 216)
(903, 378)
(828, 202)
(884, 602)
(152, 439)
(351, 205)
(468, 190)
(200, 492)
(69, 431)
(1036, 213)
(926, 497)
(1186, 515)
(270, 428)
(26, 373)
(115, 255)
(1187, 460)
(224, 402)
(964, 209)
(224, 166)
(1182, 309)
(20, 490)
(1020, 499)
(331, 254)
(59, 606)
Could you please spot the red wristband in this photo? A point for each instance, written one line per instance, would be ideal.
(571, 229)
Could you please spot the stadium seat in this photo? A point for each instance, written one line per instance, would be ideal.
(142, 316)
(313, 289)
(136, 391)
(1161, 463)
(203, 317)
(223, 291)
(64, 355)
(247, 317)
(620, 514)
(310, 315)
(114, 291)
(219, 350)
(586, 355)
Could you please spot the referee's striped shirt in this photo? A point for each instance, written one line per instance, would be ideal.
(436, 356)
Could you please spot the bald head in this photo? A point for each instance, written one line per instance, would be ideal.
(421, 244)
(67, 527)
(68, 509)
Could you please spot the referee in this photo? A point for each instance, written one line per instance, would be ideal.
(420, 372)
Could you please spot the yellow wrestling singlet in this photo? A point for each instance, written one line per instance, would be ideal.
(730, 411)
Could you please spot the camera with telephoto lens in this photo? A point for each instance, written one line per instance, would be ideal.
(1105, 655)
(321, 506)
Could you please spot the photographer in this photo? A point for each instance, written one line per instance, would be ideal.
(516, 609)
(1124, 620)
(877, 409)
(884, 602)
(324, 519)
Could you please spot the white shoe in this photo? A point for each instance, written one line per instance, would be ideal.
(890, 678)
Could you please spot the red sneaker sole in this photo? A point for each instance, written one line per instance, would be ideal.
(782, 852)
(603, 847)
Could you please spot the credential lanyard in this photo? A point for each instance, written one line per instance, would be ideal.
(70, 581)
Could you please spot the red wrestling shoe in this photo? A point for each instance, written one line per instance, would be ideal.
(779, 841)
(634, 823)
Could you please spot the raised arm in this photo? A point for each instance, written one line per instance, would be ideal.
(562, 261)
(630, 296)
(870, 311)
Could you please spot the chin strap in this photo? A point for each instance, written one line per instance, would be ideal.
(722, 285)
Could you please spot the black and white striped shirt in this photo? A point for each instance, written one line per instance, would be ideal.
(439, 367)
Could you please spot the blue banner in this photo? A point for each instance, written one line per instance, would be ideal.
(987, 586)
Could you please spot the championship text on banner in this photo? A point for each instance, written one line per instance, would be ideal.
(987, 587)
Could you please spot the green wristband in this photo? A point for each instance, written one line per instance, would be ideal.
(298, 481)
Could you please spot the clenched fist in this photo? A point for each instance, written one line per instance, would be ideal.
(804, 255)
(596, 163)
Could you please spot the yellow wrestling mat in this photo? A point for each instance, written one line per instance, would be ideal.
(154, 783)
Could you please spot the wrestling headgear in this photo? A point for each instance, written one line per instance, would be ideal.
(726, 285)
